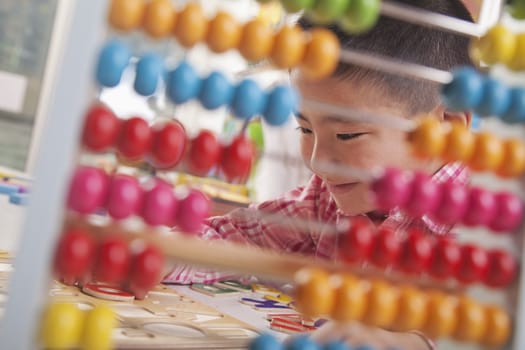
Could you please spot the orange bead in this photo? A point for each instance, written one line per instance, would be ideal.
(472, 321)
(191, 26)
(383, 305)
(322, 54)
(159, 19)
(256, 40)
(224, 33)
(498, 326)
(126, 15)
(412, 310)
(350, 300)
(459, 144)
(428, 139)
(442, 316)
(513, 163)
(289, 47)
(488, 153)
(315, 292)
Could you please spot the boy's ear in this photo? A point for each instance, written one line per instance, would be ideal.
(464, 118)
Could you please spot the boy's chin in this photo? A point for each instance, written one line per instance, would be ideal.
(353, 208)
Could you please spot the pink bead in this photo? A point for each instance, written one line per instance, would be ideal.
(481, 207)
(192, 211)
(391, 190)
(159, 204)
(88, 190)
(452, 204)
(424, 197)
(509, 212)
(125, 197)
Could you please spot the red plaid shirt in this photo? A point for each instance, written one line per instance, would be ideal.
(310, 203)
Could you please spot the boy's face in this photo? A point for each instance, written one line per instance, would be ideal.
(329, 139)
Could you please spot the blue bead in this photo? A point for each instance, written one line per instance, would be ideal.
(302, 343)
(265, 342)
(282, 102)
(495, 98)
(465, 90)
(112, 61)
(150, 69)
(184, 83)
(248, 100)
(516, 111)
(216, 91)
(336, 345)
(364, 347)
(475, 123)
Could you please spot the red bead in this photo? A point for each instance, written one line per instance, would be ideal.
(205, 153)
(391, 190)
(160, 205)
(169, 142)
(424, 195)
(453, 203)
(502, 269)
(446, 259)
(193, 209)
(356, 244)
(474, 264)
(113, 260)
(146, 271)
(74, 256)
(416, 252)
(509, 212)
(88, 190)
(481, 208)
(101, 129)
(125, 197)
(134, 139)
(237, 159)
(386, 248)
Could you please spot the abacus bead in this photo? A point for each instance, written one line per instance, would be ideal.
(146, 271)
(135, 139)
(237, 159)
(101, 129)
(453, 203)
(289, 47)
(248, 99)
(481, 207)
(495, 98)
(424, 196)
(315, 292)
(282, 102)
(169, 143)
(113, 260)
(442, 316)
(360, 16)
(98, 329)
(517, 9)
(465, 90)
(518, 61)
(216, 91)
(516, 111)
(124, 198)
(428, 139)
(459, 144)
(509, 212)
(88, 190)
(474, 264)
(498, 45)
(336, 345)
(62, 325)
(386, 249)
(224, 33)
(350, 300)
(412, 310)
(302, 342)
(416, 252)
(204, 154)
(446, 259)
(112, 61)
(150, 70)
(502, 269)
(74, 255)
(159, 19)
(191, 26)
(488, 153)
(292, 6)
(126, 14)
(499, 327)
(265, 342)
(357, 243)
(513, 163)
(328, 11)
(256, 40)
(193, 209)
(160, 205)
(472, 321)
(184, 84)
(383, 305)
(391, 190)
(322, 54)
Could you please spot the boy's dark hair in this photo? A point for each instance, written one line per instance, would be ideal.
(407, 42)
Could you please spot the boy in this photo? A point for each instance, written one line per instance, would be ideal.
(330, 197)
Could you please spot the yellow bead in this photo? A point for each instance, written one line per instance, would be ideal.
(322, 54)
(412, 310)
(383, 305)
(350, 300)
(498, 326)
(472, 321)
(498, 45)
(159, 19)
(518, 61)
(488, 153)
(289, 47)
(256, 40)
(442, 316)
(513, 163)
(224, 33)
(315, 292)
(98, 329)
(191, 26)
(62, 326)
(459, 144)
(126, 15)
(428, 139)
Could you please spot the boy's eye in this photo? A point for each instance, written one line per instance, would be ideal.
(304, 130)
(346, 137)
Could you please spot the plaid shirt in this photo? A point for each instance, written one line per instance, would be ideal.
(310, 204)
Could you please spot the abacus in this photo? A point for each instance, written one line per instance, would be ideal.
(345, 290)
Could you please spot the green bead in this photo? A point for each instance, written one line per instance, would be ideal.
(265, 1)
(517, 10)
(292, 6)
(360, 16)
(328, 11)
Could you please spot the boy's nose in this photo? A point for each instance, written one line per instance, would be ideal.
(323, 162)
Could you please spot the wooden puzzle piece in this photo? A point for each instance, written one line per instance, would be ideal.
(236, 285)
(213, 290)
